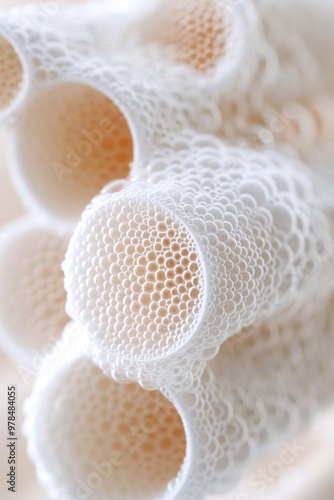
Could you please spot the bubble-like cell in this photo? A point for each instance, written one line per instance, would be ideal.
(32, 294)
(12, 74)
(71, 141)
(145, 289)
(120, 441)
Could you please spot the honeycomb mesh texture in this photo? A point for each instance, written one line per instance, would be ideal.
(131, 448)
(261, 236)
(202, 270)
(273, 48)
(32, 295)
(194, 39)
(260, 393)
(145, 111)
(41, 43)
(155, 289)
(11, 74)
(249, 399)
(193, 34)
(250, 37)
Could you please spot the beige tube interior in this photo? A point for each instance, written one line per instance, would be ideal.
(71, 142)
(120, 441)
(148, 291)
(11, 74)
(32, 294)
(189, 32)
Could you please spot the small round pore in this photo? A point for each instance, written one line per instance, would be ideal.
(11, 74)
(72, 141)
(134, 275)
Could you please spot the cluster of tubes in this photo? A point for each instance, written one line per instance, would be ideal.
(171, 287)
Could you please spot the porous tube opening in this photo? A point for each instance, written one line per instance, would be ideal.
(120, 441)
(72, 141)
(11, 74)
(32, 294)
(191, 32)
(144, 295)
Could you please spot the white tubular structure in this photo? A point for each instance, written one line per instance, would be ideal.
(32, 296)
(93, 126)
(218, 45)
(61, 156)
(200, 41)
(108, 441)
(35, 44)
(38, 43)
(161, 274)
(277, 49)
(178, 444)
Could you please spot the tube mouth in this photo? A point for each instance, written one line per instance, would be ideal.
(71, 142)
(12, 77)
(197, 35)
(32, 294)
(134, 446)
(145, 295)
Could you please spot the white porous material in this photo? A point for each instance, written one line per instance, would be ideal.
(120, 442)
(199, 277)
(201, 41)
(32, 296)
(95, 125)
(34, 45)
(71, 142)
(43, 40)
(47, 43)
(261, 389)
(161, 274)
(271, 49)
(57, 176)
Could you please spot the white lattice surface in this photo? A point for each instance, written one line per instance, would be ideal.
(176, 162)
